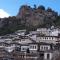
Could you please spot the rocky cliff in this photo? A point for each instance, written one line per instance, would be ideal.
(29, 18)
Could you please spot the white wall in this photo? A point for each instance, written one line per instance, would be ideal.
(44, 47)
(24, 48)
(24, 41)
(32, 47)
(47, 39)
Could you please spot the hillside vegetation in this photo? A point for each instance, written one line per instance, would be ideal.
(29, 18)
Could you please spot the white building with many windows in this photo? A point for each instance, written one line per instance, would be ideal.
(47, 39)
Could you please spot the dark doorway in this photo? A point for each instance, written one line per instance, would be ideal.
(41, 56)
(48, 56)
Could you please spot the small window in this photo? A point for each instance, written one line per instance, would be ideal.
(42, 47)
(30, 46)
(23, 49)
(52, 37)
(47, 37)
(46, 48)
(47, 56)
(35, 47)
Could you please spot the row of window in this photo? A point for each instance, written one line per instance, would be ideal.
(46, 38)
(33, 47)
(44, 48)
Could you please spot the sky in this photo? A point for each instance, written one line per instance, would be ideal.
(12, 6)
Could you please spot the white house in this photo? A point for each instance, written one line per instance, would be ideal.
(55, 32)
(2, 44)
(48, 55)
(33, 47)
(47, 39)
(24, 47)
(44, 47)
(9, 47)
(46, 50)
(44, 31)
(20, 32)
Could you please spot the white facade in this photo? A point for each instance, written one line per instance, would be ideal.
(33, 37)
(24, 41)
(44, 47)
(9, 48)
(20, 32)
(47, 39)
(49, 32)
(24, 48)
(48, 55)
(33, 48)
(7, 40)
(2, 45)
(43, 31)
(55, 32)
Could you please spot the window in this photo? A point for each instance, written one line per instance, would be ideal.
(47, 56)
(47, 37)
(30, 46)
(46, 48)
(23, 49)
(35, 47)
(52, 38)
(42, 48)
